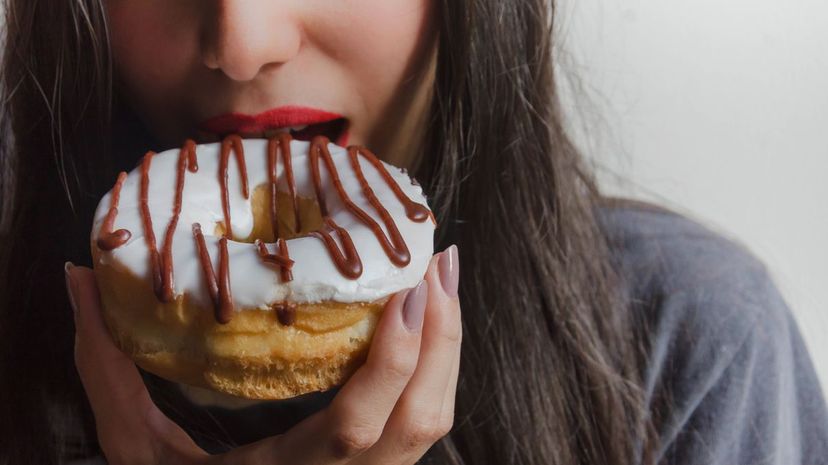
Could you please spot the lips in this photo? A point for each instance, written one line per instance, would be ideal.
(302, 122)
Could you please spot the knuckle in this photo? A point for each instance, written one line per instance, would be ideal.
(445, 426)
(350, 441)
(420, 433)
(451, 331)
(398, 364)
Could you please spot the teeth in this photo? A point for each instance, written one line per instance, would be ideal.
(298, 128)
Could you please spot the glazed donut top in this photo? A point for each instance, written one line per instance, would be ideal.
(174, 219)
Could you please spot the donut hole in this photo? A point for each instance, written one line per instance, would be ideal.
(310, 217)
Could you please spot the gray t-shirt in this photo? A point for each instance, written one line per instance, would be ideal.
(729, 380)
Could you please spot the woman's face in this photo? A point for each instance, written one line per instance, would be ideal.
(357, 71)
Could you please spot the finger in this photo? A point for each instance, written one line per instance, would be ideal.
(447, 413)
(453, 281)
(417, 421)
(357, 415)
(130, 427)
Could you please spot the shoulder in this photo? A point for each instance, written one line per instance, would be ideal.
(692, 288)
(688, 272)
(726, 373)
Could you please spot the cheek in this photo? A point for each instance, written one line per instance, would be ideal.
(380, 43)
(360, 51)
(154, 46)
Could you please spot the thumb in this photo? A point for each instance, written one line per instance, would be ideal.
(130, 427)
(111, 379)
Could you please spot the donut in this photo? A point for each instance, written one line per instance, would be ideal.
(256, 268)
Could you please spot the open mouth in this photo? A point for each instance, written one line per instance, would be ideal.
(302, 123)
(335, 130)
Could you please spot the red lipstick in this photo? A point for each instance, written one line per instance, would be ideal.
(276, 118)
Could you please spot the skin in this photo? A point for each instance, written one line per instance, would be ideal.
(180, 62)
(398, 404)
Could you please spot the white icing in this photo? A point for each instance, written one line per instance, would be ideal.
(252, 282)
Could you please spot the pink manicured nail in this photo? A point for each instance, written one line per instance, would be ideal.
(449, 270)
(70, 285)
(414, 307)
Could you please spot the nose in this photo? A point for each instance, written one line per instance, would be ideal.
(242, 37)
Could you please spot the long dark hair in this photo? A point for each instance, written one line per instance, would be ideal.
(551, 362)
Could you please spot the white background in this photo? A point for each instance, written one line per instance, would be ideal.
(720, 111)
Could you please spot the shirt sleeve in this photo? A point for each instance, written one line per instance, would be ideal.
(731, 380)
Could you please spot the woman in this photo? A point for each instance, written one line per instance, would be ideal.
(594, 331)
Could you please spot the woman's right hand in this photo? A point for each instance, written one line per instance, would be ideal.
(391, 411)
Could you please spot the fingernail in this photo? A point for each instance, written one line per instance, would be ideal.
(449, 270)
(414, 307)
(70, 285)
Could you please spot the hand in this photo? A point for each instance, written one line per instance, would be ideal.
(391, 411)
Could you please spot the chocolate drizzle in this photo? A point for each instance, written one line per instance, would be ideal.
(217, 287)
(347, 261)
(224, 310)
(161, 265)
(186, 157)
(281, 143)
(206, 266)
(285, 312)
(190, 148)
(281, 259)
(396, 249)
(146, 220)
(231, 143)
(343, 253)
(413, 210)
(108, 240)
